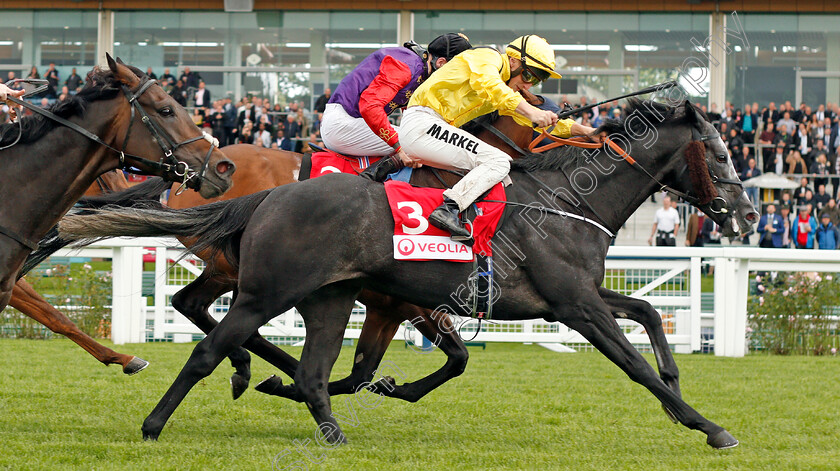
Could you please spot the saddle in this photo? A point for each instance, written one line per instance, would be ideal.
(321, 161)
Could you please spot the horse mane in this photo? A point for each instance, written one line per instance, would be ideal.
(100, 85)
(475, 126)
(568, 158)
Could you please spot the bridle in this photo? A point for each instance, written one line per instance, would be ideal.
(717, 205)
(172, 165)
(167, 164)
(724, 208)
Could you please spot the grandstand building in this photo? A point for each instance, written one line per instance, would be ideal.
(775, 51)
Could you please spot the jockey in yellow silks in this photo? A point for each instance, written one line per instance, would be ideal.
(474, 83)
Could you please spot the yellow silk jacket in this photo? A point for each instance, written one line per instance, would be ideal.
(473, 84)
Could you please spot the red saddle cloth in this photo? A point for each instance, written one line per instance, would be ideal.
(327, 162)
(416, 239)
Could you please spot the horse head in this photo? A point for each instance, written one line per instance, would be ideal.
(709, 178)
(158, 136)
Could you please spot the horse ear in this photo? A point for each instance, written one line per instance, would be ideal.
(111, 64)
(122, 73)
(691, 113)
(119, 61)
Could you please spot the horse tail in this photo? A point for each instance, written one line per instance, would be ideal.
(146, 193)
(213, 228)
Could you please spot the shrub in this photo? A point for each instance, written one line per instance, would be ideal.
(84, 292)
(796, 314)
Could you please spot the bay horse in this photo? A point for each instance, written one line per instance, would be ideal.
(46, 163)
(556, 265)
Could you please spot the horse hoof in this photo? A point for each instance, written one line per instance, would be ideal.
(336, 437)
(269, 385)
(722, 440)
(670, 415)
(135, 366)
(238, 386)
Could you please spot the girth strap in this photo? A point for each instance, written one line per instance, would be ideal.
(28, 243)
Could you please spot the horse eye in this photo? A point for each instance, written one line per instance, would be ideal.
(721, 158)
(166, 111)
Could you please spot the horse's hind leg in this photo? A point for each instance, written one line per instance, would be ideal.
(194, 300)
(592, 319)
(26, 300)
(325, 313)
(382, 319)
(384, 315)
(438, 327)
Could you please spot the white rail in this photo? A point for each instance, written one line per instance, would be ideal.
(667, 277)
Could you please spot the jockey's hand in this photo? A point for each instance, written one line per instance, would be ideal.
(408, 161)
(6, 91)
(542, 118)
(580, 130)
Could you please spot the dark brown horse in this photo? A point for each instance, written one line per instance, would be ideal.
(119, 118)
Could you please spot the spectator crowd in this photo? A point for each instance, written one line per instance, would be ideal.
(797, 142)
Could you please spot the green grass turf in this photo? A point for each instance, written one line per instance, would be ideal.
(516, 407)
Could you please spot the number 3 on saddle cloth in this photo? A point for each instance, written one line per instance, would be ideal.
(416, 239)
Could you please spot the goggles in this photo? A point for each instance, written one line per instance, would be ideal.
(534, 76)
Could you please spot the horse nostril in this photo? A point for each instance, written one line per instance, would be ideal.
(224, 167)
(752, 217)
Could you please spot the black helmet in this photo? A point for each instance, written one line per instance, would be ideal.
(448, 46)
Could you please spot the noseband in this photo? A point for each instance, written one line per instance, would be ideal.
(168, 163)
(717, 205)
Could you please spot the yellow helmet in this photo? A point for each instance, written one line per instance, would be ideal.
(534, 52)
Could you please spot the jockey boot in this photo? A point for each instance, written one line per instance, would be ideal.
(379, 171)
(446, 217)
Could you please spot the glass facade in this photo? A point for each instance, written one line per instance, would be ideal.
(600, 54)
(38, 38)
(293, 55)
(212, 43)
(779, 46)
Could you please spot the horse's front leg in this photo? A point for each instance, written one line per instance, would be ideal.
(592, 318)
(642, 312)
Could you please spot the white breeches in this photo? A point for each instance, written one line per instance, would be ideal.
(347, 135)
(427, 137)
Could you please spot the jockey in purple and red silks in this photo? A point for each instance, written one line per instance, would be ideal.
(356, 117)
